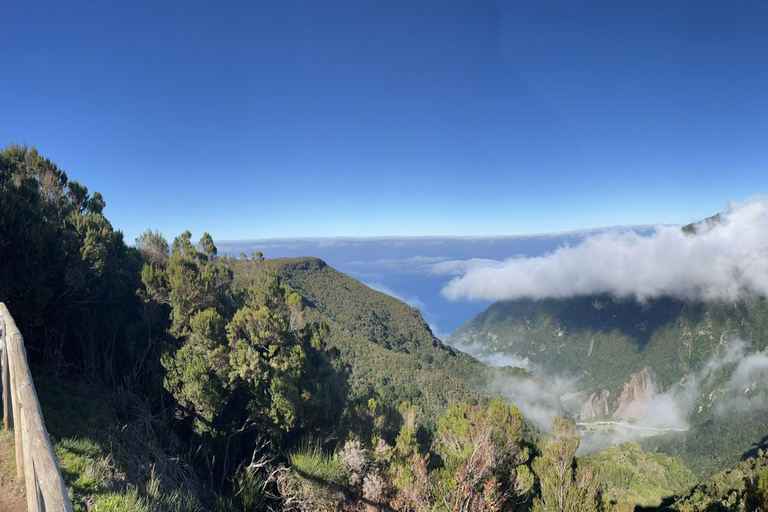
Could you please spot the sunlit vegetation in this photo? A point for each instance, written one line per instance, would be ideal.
(631, 475)
(744, 487)
(174, 378)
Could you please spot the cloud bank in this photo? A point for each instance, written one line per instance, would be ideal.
(722, 261)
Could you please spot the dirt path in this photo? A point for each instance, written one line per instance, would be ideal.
(12, 497)
(632, 427)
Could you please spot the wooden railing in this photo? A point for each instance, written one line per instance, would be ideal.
(36, 463)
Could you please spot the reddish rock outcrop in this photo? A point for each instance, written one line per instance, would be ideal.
(637, 395)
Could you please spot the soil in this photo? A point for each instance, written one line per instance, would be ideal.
(12, 498)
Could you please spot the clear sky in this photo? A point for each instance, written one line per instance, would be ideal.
(321, 118)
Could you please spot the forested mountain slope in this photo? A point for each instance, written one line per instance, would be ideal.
(602, 340)
(691, 364)
(387, 345)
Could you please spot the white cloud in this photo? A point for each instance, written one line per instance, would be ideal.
(414, 302)
(537, 403)
(721, 262)
(414, 264)
(459, 267)
(751, 370)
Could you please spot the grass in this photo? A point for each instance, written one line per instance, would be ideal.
(316, 478)
(89, 472)
(12, 491)
(128, 502)
(8, 460)
(111, 462)
(311, 462)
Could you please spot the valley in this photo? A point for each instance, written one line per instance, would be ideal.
(650, 372)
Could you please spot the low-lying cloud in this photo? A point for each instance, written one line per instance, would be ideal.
(745, 390)
(733, 381)
(414, 302)
(722, 261)
(541, 401)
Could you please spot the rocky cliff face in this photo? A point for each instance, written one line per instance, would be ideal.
(637, 395)
(596, 406)
(633, 403)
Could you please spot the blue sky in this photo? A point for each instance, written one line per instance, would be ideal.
(306, 118)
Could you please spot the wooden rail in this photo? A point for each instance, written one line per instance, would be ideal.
(36, 463)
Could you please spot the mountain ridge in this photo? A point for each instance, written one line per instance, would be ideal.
(390, 349)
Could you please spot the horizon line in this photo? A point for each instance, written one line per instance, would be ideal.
(372, 238)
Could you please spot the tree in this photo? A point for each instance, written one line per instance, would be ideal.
(564, 487)
(65, 272)
(153, 248)
(762, 487)
(484, 457)
(188, 281)
(244, 367)
(408, 466)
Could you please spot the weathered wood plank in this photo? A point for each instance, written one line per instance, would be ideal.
(13, 370)
(5, 380)
(33, 498)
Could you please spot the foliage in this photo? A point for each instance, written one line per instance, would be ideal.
(390, 352)
(484, 455)
(740, 488)
(65, 273)
(762, 487)
(240, 364)
(477, 461)
(563, 485)
(632, 475)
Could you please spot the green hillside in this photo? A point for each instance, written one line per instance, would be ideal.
(388, 347)
(743, 487)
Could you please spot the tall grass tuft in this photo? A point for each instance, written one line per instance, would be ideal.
(311, 462)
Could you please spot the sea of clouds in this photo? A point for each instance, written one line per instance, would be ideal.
(722, 261)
